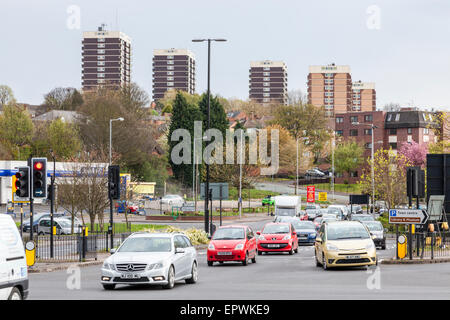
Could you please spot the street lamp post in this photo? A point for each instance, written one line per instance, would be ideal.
(208, 126)
(110, 136)
(194, 164)
(372, 126)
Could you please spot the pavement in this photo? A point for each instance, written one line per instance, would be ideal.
(272, 277)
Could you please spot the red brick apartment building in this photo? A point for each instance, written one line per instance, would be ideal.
(392, 129)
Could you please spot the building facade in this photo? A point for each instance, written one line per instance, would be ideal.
(364, 97)
(330, 86)
(106, 59)
(173, 69)
(392, 130)
(268, 82)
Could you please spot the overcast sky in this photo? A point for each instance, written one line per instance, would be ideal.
(403, 45)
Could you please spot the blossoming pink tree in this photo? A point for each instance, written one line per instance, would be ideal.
(415, 153)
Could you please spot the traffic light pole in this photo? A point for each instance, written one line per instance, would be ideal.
(110, 229)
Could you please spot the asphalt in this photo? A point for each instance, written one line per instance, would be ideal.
(273, 277)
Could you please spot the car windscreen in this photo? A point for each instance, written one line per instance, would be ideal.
(285, 211)
(229, 234)
(150, 244)
(275, 228)
(303, 225)
(374, 226)
(338, 231)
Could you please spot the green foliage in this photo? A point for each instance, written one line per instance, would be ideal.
(16, 130)
(63, 99)
(63, 139)
(348, 156)
(217, 113)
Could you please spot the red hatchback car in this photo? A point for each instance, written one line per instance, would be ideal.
(277, 237)
(232, 243)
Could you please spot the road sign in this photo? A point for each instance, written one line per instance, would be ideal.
(322, 196)
(407, 216)
(310, 194)
(215, 187)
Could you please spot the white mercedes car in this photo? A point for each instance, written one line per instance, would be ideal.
(151, 258)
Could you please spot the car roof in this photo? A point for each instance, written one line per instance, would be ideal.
(344, 222)
(233, 226)
(155, 234)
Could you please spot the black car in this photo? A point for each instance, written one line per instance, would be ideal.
(313, 213)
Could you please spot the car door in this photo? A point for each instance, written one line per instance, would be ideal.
(319, 246)
(181, 261)
(191, 253)
(294, 237)
(251, 242)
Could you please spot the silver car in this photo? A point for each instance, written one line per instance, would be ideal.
(63, 226)
(151, 258)
(173, 200)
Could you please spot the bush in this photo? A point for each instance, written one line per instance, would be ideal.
(196, 236)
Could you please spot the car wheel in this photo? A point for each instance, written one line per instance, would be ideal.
(291, 252)
(324, 263)
(254, 259)
(15, 294)
(245, 261)
(296, 250)
(108, 286)
(221, 262)
(170, 279)
(259, 253)
(41, 233)
(210, 263)
(194, 274)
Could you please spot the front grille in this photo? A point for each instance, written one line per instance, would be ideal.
(348, 261)
(131, 267)
(142, 279)
(279, 245)
(352, 253)
(224, 257)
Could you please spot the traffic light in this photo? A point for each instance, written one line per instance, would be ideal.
(114, 182)
(23, 182)
(39, 177)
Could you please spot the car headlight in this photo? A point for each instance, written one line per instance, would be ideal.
(240, 246)
(152, 266)
(370, 246)
(261, 237)
(331, 247)
(287, 237)
(211, 247)
(312, 235)
(108, 266)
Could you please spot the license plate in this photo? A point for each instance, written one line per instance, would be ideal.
(303, 236)
(130, 276)
(273, 245)
(353, 257)
(224, 253)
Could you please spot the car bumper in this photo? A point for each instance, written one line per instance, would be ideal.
(156, 277)
(307, 240)
(225, 255)
(339, 259)
(267, 246)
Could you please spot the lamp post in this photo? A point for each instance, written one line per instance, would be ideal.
(52, 203)
(110, 136)
(208, 126)
(372, 126)
(194, 164)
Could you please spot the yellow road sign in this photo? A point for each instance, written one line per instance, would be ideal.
(322, 196)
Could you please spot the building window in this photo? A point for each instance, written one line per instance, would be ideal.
(409, 130)
(393, 145)
(100, 75)
(266, 100)
(266, 68)
(329, 88)
(353, 132)
(266, 74)
(169, 57)
(266, 89)
(100, 39)
(170, 67)
(339, 132)
(339, 119)
(392, 132)
(266, 79)
(100, 69)
(170, 62)
(368, 118)
(368, 145)
(266, 84)
(368, 132)
(169, 78)
(397, 117)
(100, 63)
(100, 57)
(170, 73)
(266, 94)
(426, 130)
(328, 81)
(354, 174)
(101, 51)
(170, 84)
(328, 94)
(353, 119)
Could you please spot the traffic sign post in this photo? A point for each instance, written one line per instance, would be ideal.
(310, 194)
(407, 216)
(322, 196)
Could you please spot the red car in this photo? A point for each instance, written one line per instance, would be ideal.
(277, 237)
(232, 243)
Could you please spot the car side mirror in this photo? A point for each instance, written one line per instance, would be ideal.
(179, 250)
(113, 250)
(258, 232)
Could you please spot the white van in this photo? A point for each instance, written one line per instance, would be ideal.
(288, 205)
(13, 264)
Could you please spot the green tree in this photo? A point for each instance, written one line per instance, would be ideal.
(217, 113)
(63, 139)
(183, 117)
(16, 129)
(348, 156)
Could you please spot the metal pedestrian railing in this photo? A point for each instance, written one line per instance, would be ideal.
(430, 245)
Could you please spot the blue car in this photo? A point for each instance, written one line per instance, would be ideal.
(306, 232)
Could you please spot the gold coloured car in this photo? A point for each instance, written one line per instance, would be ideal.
(344, 244)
